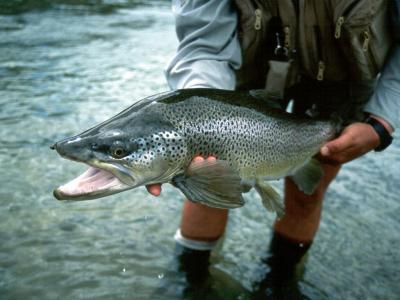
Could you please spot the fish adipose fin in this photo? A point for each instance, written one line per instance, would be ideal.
(213, 183)
(308, 177)
(271, 200)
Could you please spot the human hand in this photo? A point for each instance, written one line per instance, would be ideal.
(155, 189)
(354, 141)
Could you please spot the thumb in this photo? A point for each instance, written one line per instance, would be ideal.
(154, 189)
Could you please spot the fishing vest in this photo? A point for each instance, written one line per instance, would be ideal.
(324, 40)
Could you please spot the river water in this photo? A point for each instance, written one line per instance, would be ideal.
(66, 65)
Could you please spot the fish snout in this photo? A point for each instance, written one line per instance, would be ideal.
(73, 149)
(60, 147)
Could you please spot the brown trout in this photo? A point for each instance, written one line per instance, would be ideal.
(154, 141)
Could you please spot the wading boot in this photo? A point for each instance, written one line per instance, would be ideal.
(280, 281)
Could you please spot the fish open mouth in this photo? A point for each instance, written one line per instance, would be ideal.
(93, 183)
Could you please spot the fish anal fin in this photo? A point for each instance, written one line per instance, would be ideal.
(271, 200)
(308, 177)
(213, 183)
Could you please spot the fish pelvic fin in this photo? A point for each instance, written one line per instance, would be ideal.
(308, 177)
(271, 200)
(213, 183)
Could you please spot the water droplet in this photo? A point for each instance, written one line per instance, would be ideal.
(160, 276)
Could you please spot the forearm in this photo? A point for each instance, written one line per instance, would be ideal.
(209, 49)
(385, 102)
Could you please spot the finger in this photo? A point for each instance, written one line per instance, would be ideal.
(325, 151)
(154, 189)
(344, 156)
(337, 145)
(197, 159)
(211, 158)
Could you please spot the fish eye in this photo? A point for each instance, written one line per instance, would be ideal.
(118, 152)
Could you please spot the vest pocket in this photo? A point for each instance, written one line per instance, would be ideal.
(362, 33)
(320, 56)
(254, 19)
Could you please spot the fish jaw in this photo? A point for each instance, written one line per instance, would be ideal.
(92, 184)
(103, 178)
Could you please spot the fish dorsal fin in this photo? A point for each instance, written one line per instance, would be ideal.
(267, 99)
(213, 183)
(308, 177)
(271, 200)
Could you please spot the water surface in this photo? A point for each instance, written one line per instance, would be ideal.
(66, 65)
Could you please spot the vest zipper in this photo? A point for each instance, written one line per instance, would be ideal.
(286, 42)
(338, 29)
(340, 21)
(321, 70)
(366, 40)
(257, 23)
(321, 63)
(368, 48)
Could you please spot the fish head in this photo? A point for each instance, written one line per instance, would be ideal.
(123, 153)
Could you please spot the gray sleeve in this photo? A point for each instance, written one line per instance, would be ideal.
(385, 102)
(209, 48)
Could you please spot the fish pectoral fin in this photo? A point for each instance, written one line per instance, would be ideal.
(271, 200)
(308, 177)
(213, 183)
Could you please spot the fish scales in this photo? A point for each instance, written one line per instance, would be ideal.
(254, 142)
